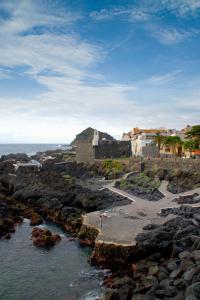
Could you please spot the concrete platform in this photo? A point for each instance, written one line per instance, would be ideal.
(122, 224)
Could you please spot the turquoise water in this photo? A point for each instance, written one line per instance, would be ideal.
(61, 273)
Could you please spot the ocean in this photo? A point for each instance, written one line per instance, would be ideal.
(61, 273)
(29, 149)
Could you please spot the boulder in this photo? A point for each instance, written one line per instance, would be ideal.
(44, 237)
(36, 219)
(193, 291)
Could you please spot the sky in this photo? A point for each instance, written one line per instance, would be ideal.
(113, 65)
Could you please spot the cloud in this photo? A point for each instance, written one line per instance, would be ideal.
(165, 78)
(181, 8)
(151, 14)
(76, 94)
(130, 14)
(169, 35)
(147, 9)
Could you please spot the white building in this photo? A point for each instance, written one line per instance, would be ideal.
(143, 145)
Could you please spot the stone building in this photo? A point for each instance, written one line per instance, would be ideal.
(89, 148)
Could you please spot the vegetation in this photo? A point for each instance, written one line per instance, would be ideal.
(194, 138)
(194, 133)
(172, 142)
(159, 139)
(69, 179)
(112, 164)
(190, 145)
(139, 180)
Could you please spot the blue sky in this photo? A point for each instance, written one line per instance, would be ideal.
(113, 65)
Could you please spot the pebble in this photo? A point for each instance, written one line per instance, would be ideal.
(184, 255)
(188, 275)
(193, 290)
(196, 255)
(171, 266)
(176, 273)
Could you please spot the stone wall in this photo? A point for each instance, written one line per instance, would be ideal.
(150, 151)
(168, 163)
(85, 152)
(113, 149)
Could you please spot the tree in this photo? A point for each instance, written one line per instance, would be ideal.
(172, 142)
(190, 145)
(194, 133)
(158, 139)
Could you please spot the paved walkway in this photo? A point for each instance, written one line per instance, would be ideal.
(123, 223)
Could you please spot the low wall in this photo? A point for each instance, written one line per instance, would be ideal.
(167, 163)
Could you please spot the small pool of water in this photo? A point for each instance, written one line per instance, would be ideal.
(60, 273)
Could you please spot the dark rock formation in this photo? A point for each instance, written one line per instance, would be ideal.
(36, 219)
(192, 199)
(141, 186)
(44, 237)
(165, 263)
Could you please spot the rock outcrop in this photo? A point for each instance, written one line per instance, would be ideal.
(44, 238)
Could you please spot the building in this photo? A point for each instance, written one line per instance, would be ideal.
(89, 148)
(176, 150)
(144, 145)
(143, 141)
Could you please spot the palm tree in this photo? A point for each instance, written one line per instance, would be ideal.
(172, 142)
(158, 139)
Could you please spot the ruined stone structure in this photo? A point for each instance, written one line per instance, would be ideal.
(88, 149)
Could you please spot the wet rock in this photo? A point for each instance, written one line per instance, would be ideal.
(195, 222)
(125, 292)
(188, 275)
(186, 265)
(197, 216)
(142, 297)
(176, 273)
(153, 269)
(184, 255)
(180, 283)
(111, 295)
(196, 255)
(179, 296)
(36, 219)
(7, 236)
(44, 237)
(171, 266)
(193, 291)
(168, 293)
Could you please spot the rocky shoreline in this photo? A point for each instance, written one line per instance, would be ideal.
(164, 263)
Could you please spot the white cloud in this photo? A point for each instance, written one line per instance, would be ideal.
(168, 35)
(181, 7)
(132, 14)
(72, 102)
(164, 78)
(147, 9)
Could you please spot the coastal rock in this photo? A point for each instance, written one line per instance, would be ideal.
(36, 219)
(188, 275)
(44, 237)
(184, 255)
(193, 291)
(172, 266)
(15, 157)
(196, 255)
